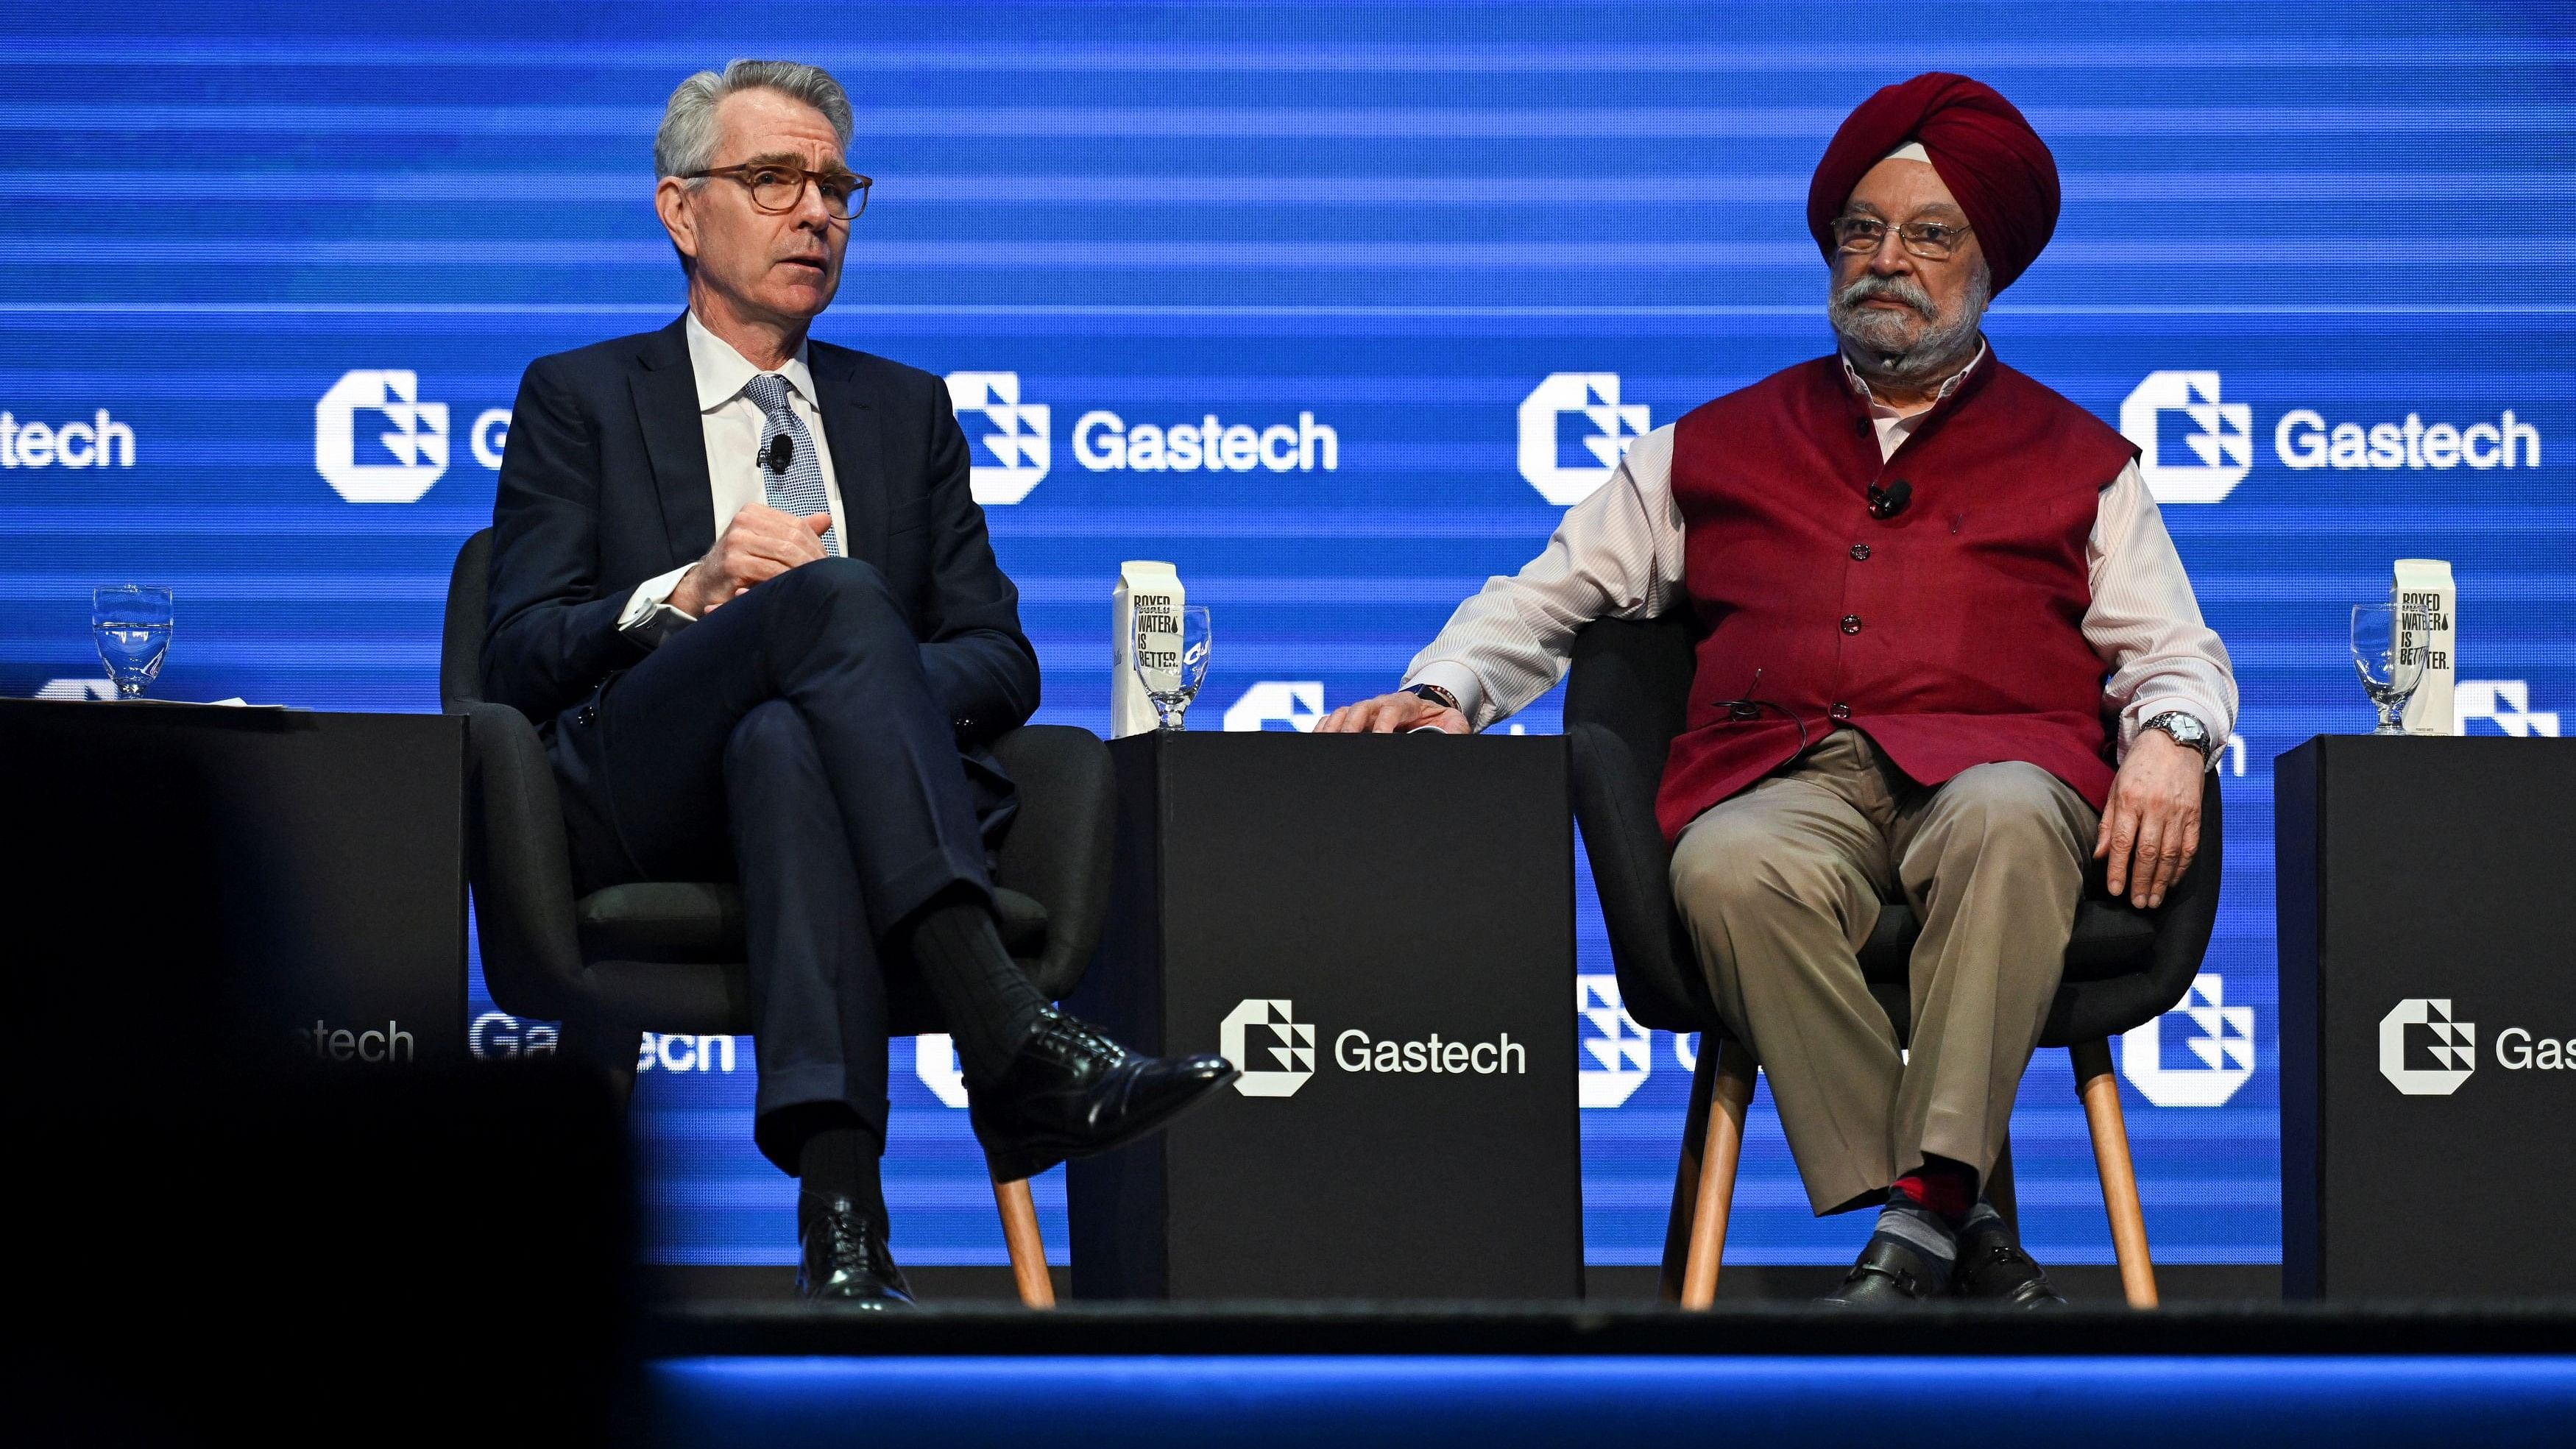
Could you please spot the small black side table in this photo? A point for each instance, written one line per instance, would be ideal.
(218, 884)
(2427, 904)
(1380, 930)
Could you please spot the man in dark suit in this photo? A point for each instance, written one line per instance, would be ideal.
(742, 578)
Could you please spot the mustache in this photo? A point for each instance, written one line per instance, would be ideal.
(1900, 289)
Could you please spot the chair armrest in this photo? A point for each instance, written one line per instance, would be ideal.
(519, 864)
(1059, 848)
(2091, 1010)
(1614, 801)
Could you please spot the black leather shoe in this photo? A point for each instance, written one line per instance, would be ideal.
(1072, 1092)
(1890, 1274)
(1994, 1269)
(842, 1258)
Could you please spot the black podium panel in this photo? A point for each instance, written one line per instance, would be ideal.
(234, 882)
(2428, 1015)
(1380, 930)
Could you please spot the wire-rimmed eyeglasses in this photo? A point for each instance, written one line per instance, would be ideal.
(1934, 241)
(778, 187)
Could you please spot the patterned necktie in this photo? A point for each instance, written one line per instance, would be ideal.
(799, 490)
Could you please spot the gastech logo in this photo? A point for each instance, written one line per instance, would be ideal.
(416, 440)
(99, 443)
(2304, 441)
(375, 441)
(388, 1043)
(2172, 414)
(1276, 1051)
(2219, 434)
(1103, 442)
(1588, 404)
(1018, 443)
(2219, 1036)
(1289, 704)
(2422, 1051)
(1618, 1054)
(2503, 703)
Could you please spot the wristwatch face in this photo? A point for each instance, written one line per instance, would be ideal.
(2184, 729)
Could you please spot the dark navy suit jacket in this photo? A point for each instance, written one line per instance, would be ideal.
(604, 485)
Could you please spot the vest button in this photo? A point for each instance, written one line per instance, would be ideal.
(1840, 711)
(1851, 623)
(1860, 553)
(1860, 427)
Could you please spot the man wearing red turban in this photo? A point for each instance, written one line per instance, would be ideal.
(1948, 654)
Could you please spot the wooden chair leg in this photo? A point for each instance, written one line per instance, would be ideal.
(1729, 1098)
(2100, 1089)
(1027, 1249)
(1677, 1219)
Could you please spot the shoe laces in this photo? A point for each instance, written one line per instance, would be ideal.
(845, 1239)
(1066, 1032)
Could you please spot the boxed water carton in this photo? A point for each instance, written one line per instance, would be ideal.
(2425, 583)
(1152, 590)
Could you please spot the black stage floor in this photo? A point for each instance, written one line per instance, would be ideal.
(768, 1328)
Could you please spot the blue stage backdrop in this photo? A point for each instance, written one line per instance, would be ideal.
(268, 276)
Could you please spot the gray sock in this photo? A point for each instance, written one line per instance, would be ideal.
(1984, 1218)
(1920, 1229)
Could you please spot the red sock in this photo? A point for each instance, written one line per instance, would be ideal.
(1942, 1185)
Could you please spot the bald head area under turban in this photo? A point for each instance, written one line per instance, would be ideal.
(1988, 156)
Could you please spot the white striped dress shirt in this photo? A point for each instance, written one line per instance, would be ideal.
(1618, 554)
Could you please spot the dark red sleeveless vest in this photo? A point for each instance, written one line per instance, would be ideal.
(1952, 634)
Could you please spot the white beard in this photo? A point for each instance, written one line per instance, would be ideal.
(1878, 338)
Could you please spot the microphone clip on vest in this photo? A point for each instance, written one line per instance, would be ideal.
(782, 451)
(1890, 501)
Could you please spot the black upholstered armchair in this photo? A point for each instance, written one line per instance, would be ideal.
(668, 957)
(1624, 703)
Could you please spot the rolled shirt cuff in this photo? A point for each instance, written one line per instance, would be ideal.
(649, 617)
(1460, 681)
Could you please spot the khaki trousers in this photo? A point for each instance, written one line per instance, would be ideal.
(1781, 886)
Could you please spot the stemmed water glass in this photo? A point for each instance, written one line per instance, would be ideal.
(2388, 651)
(1172, 659)
(131, 626)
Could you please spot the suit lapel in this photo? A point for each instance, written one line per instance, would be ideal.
(666, 401)
(858, 457)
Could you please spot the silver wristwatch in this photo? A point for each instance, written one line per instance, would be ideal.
(2185, 730)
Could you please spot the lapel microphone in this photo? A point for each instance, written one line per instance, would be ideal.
(782, 451)
(1883, 502)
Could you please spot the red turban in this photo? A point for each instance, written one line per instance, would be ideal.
(1988, 156)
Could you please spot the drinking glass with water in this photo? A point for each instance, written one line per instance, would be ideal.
(131, 623)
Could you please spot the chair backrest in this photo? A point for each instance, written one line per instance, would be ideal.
(460, 642)
(1625, 699)
(1633, 678)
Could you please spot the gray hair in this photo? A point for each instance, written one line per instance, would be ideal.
(687, 140)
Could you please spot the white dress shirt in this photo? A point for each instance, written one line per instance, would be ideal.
(1618, 554)
(732, 423)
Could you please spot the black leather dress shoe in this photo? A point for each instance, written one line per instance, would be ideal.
(1890, 1274)
(1994, 1269)
(1072, 1092)
(842, 1258)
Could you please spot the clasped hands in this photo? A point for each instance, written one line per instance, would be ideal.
(2150, 827)
(758, 545)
